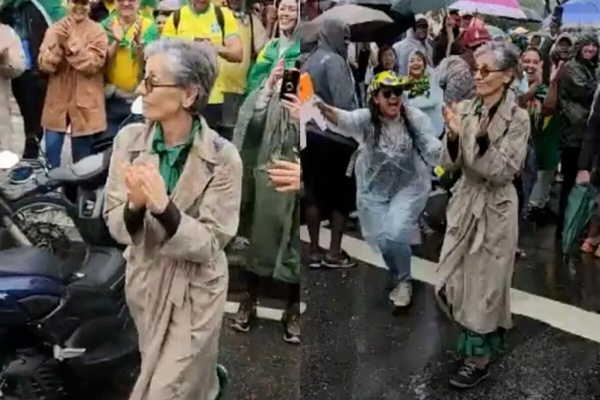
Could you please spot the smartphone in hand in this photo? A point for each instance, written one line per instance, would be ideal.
(289, 82)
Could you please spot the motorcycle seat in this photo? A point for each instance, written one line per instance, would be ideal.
(31, 261)
(104, 269)
(90, 169)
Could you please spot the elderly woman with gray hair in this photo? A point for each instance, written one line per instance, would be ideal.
(173, 197)
(486, 138)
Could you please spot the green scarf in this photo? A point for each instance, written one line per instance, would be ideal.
(52, 10)
(172, 159)
(267, 59)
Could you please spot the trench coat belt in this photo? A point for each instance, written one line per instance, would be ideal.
(475, 195)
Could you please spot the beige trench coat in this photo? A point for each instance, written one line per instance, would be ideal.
(477, 259)
(11, 67)
(177, 289)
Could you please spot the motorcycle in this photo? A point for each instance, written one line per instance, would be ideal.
(66, 326)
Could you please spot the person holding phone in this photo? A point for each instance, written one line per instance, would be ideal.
(270, 218)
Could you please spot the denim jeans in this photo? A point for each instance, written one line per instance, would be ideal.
(81, 147)
(397, 257)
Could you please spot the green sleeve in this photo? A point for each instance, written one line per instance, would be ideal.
(106, 22)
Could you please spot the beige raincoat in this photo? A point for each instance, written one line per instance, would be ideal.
(12, 64)
(477, 259)
(177, 289)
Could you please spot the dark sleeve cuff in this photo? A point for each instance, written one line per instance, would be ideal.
(452, 145)
(169, 219)
(483, 142)
(134, 220)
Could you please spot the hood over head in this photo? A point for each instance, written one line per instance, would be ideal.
(588, 37)
(332, 37)
(559, 38)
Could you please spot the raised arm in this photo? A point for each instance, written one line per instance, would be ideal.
(232, 49)
(88, 56)
(500, 164)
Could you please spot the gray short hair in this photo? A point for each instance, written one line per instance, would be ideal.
(191, 63)
(505, 54)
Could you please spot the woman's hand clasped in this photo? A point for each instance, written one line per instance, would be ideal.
(135, 194)
(452, 121)
(154, 188)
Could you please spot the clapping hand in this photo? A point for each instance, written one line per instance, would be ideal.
(64, 29)
(285, 176)
(135, 196)
(137, 32)
(451, 119)
(154, 188)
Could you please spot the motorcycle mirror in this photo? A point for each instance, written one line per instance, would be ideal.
(8, 159)
(137, 107)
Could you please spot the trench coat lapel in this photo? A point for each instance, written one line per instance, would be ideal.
(198, 170)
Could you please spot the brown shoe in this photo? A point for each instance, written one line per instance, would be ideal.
(242, 321)
(291, 324)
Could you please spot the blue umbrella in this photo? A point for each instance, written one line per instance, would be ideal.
(581, 14)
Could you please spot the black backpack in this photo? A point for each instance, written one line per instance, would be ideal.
(218, 14)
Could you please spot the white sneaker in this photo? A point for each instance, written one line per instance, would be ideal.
(394, 293)
(402, 294)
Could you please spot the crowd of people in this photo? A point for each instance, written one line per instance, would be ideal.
(494, 117)
(214, 156)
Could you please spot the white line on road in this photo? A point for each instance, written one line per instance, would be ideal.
(562, 316)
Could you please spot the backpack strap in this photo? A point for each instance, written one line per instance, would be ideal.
(176, 19)
(252, 49)
(221, 22)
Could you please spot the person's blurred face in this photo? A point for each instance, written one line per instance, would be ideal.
(589, 51)
(388, 59)
(389, 101)
(554, 29)
(162, 99)
(531, 63)
(287, 15)
(127, 8)
(161, 20)
(416, 66)
(465, 21)
(79, 10)
(421, 31)
(454, 20)
(535, 41)
(199, 5)
(563, 49)
(489, 79)
(235, 5)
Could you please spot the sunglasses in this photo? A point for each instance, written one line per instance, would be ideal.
(486, 71)
(150, 86)
(388, 92)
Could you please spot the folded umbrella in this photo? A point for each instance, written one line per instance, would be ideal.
(580, 208)
(365, 23)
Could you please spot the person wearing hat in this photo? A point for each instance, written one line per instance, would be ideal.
(455, 73)
(417, 38)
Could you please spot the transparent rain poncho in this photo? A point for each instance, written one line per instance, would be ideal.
(393, 177)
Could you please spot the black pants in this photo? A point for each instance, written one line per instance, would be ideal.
(213, 114)
(569, 158)
(252, 284)
(29, 90)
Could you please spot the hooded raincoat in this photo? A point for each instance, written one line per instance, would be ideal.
(408, 46)
(475, 269)
(393, 176)
(176, 288)
(11, 66)
(576, 92)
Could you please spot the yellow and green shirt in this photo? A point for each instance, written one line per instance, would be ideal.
(125, 71)
(235, 74)
(204, 26)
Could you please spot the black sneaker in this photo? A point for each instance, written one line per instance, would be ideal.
(242, 321)
(342, 260)
(468, 375)
(32, 150)
(291, 324)
(315, 260)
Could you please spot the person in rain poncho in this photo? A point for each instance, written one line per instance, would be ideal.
(417, 38)
(487, 139)
(397, 149)
(284, 47)
(270, 219)
(173, 197)
(424, 93)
